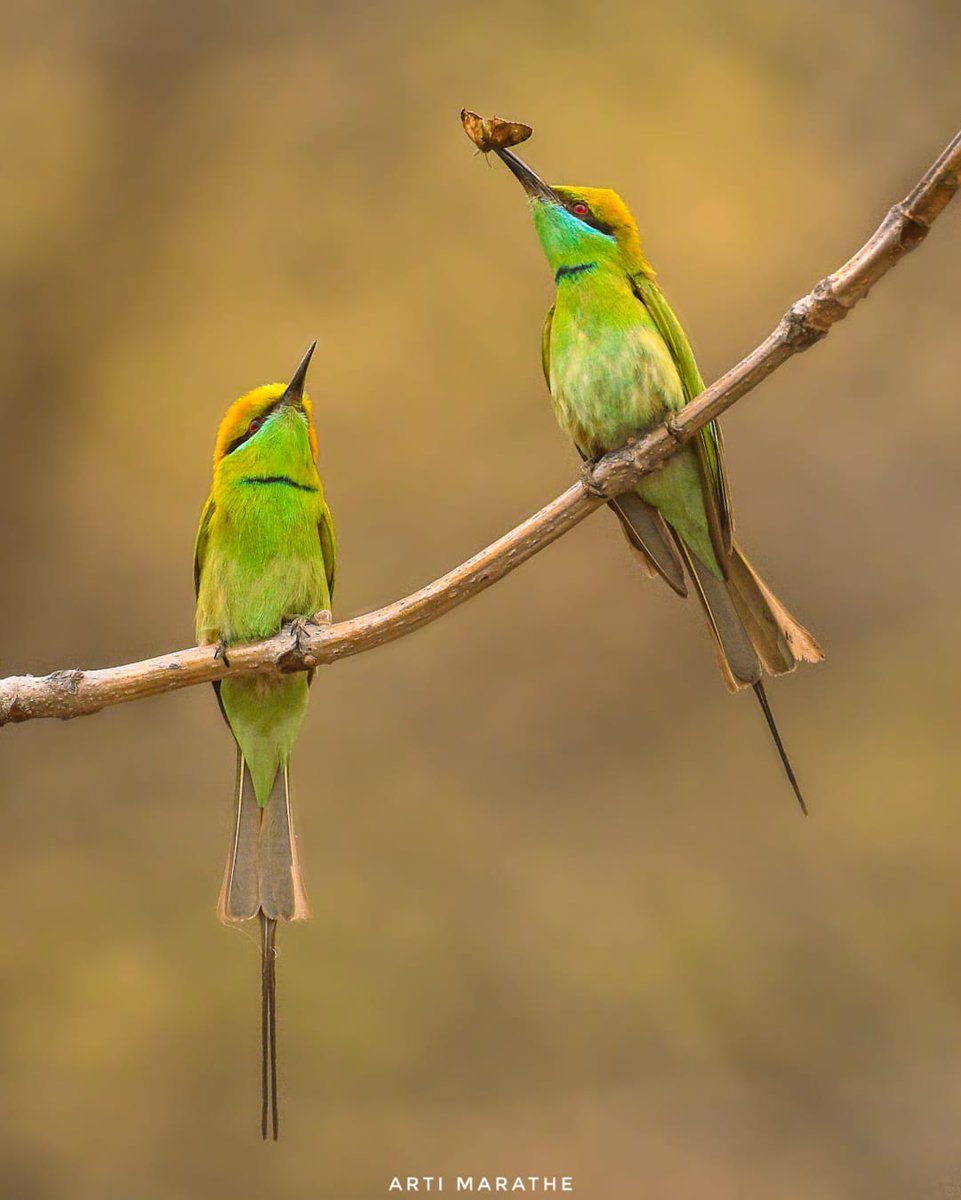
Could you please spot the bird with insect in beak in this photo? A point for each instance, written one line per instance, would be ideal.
(618, 363)
(265, 555)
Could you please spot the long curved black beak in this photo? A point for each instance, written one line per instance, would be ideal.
(532, 184)
(294, 394)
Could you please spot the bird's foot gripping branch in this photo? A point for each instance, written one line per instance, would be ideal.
(301, 655)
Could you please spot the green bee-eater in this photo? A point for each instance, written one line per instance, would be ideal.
(265, 554)
(617, 363)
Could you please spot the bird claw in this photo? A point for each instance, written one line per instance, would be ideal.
(300, 628)
(673, 428)
(587, 477)
(220, 651)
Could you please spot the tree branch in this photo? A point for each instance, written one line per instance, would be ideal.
(73, 693)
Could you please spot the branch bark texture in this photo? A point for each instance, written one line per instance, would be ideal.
(75, 692)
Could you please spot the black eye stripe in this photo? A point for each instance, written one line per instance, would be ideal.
(589, 219)
(248, 432)
(237, 443)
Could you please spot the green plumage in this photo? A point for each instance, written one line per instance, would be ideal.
(618, 363)
(265, 555)
(613, 355)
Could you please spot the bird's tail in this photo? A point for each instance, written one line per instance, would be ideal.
(752, 632)
(263, 870)
(263, 880)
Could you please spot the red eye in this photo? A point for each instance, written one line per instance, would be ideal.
(581, 210)
(255, 424)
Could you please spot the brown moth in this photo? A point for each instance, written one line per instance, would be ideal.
(493, 133)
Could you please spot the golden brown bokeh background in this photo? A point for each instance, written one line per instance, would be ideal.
(568, 920)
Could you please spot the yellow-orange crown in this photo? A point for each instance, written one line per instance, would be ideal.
(608, 209)
(256, 404)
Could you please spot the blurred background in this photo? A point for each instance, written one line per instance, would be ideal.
(567, 917)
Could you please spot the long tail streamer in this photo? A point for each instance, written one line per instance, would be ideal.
(269, 1122)
(772, 725)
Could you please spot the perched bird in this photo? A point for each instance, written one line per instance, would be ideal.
(617, 363)
(265, 554)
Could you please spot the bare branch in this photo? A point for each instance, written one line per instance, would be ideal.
(73, 693)
(806, 322)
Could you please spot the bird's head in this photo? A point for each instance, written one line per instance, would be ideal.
(273, 422)
(580, 224)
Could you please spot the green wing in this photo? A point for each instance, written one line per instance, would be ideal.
(328, 548)
(200, 546)
(546, 346)
(200, 553)
(708, 443)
